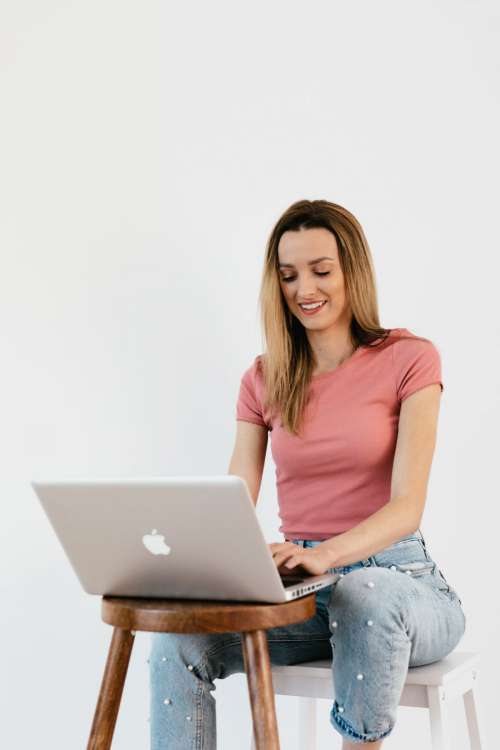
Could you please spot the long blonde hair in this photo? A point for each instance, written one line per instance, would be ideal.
(287, 363)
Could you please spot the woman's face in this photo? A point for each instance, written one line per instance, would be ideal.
(309, 271)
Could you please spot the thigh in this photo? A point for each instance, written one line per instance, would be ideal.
(302, 641)
(218, 655)
(288, 644)
(435, 625)
(433, 615)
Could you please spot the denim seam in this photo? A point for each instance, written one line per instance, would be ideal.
(415, 572)
(346, 727)
(451, 596)
(199, 717)
(391, 662)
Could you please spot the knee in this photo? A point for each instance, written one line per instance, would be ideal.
(365, 590)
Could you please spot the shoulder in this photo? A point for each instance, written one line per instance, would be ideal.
(254, 370)
(407, 344)
(253, 376)
(416, 362)
(250, 403)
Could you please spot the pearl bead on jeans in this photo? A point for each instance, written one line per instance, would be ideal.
(384, 614)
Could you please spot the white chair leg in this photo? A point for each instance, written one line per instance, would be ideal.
(471, 706)
(438, 716)
(307, 723)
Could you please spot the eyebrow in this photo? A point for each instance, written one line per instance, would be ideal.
(310, 263)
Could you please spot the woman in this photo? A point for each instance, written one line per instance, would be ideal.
(352, 409)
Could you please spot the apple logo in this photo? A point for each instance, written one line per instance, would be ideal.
(155, 543)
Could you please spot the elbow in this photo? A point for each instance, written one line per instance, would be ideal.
(412, 511)
(252, 487)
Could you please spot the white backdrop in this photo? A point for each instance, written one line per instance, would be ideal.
(146, 151)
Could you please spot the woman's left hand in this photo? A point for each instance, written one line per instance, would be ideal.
(316, 560)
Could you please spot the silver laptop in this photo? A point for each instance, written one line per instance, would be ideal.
(184, 537)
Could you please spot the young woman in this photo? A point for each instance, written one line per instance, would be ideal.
(353, 410)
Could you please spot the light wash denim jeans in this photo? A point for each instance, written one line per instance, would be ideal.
(386, 613)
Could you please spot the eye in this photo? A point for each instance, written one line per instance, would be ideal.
(292, 278)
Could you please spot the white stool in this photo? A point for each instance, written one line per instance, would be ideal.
(433, 686)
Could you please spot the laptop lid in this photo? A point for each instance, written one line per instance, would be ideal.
(187, 537)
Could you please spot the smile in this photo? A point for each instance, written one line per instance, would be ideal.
(314, 310)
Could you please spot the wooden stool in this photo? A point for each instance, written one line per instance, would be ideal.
(128, 615)
(432, 686)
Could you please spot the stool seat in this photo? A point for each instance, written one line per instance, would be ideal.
(434, 686)
(201, 616)
(442, 672)
(128, 615)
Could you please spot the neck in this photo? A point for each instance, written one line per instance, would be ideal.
(330, 353)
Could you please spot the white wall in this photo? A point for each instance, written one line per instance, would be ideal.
(146, 150)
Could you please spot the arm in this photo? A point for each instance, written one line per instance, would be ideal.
(249, 455)
(410, 474)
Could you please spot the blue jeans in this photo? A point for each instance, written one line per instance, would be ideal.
(386, 613)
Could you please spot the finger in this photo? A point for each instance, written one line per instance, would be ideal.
(283, 557)
(277, 548)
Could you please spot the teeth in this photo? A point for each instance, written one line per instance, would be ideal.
(312, 307)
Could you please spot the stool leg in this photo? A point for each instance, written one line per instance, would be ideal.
(260, 688)
(106, 712)
(438, 715)
(471, 712)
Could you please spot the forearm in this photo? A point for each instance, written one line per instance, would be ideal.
(388, 524)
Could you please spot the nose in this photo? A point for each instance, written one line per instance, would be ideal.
(308, 292)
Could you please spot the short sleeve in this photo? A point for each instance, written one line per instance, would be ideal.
(248, 406)
(417, 363)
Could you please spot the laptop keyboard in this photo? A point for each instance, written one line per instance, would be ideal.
(290, 580)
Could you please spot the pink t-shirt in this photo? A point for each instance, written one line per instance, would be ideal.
(339, 472)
